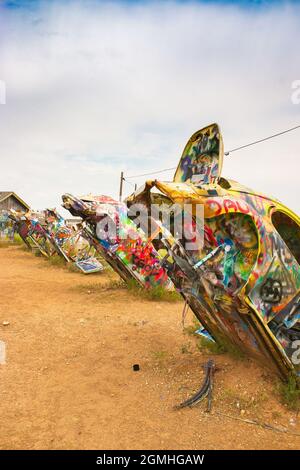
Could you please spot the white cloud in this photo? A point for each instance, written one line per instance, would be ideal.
(93, 89)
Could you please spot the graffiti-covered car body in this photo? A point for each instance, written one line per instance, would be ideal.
(31, 228)
(7, 226)
(70, 243)
(243, 283)
(121, 243)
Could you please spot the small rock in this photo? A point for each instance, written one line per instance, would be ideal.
(89, 291)
(243, 412)
(5, 323)
(292, 422)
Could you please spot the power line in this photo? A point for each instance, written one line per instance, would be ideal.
(262, 140)
(225, 153)
(152, 172)
(128, 182)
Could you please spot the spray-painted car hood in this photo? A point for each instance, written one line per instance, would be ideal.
(122, 244)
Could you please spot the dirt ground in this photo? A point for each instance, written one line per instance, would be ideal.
(68, 381)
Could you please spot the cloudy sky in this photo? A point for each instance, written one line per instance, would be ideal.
(95, 87)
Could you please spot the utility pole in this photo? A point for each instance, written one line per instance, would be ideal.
(121, 186)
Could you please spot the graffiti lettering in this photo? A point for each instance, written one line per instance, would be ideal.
(244, 209)
(228, 204)
(218, 209)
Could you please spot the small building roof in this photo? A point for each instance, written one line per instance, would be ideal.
(6, 194)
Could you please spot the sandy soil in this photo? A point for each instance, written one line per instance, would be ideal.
(68, 381)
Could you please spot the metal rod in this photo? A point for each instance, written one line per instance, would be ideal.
(121, 186)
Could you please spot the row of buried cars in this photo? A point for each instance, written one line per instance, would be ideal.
(233, 254)
(48, 233)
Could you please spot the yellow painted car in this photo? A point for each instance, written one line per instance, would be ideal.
(243, 281)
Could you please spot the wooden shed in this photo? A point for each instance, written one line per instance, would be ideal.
(10, 200)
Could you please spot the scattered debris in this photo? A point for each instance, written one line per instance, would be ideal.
(205, 391)
(257, 423)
